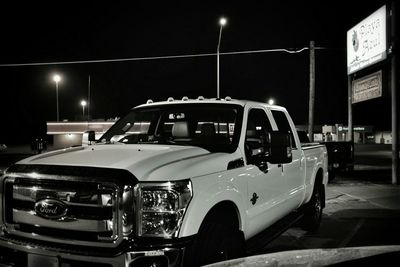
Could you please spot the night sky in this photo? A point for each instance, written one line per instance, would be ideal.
(71, 31)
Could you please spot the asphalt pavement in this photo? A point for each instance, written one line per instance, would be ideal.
(357, 213)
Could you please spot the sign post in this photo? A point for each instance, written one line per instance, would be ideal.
(395, 111)
(312, 93)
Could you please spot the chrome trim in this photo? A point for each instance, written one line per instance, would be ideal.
(67, 178)
(105, 195)
(124, 259)
(177, 187)
(31, 218)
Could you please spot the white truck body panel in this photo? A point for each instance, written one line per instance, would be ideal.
(146, 162)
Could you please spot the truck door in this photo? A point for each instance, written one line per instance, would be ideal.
(266, 183)
(294, 172)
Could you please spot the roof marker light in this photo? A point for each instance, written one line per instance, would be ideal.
(170, 99)
(228, 98)
(185, 98)
(149, 101)
(200, 98)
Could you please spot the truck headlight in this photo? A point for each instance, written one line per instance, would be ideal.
(161, 207)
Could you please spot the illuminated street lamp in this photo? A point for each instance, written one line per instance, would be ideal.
(83, 104)
(271, 101)
(222, 23)
(57, 79)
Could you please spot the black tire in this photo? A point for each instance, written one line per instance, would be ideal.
(313, 210)
(216, 241)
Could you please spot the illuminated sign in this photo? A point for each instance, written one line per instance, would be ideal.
(366, 42)
(367, 87)
(356, 128)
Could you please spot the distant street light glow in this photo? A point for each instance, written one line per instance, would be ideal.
(271, 101)
(83, 104)
(222, 21)
(57, 79)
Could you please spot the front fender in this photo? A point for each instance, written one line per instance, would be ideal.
(210, 190)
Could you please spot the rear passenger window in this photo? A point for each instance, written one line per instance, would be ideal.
(283, 125)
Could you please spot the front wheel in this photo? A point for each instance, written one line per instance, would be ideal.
(313, 210)
(216, 241)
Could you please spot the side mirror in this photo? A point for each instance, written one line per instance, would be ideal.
(88, 137)
(280, 148)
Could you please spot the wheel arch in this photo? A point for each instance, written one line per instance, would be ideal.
(225, 210)
(220, 210)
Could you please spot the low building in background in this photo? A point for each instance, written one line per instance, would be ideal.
(363, 134)
(67, 134)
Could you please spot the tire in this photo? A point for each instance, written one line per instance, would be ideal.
(313, 210)
(216, 241)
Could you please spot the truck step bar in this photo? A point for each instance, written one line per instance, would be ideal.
(259, 241)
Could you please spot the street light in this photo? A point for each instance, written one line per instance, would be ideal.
(222, 23)
(271, 101)
(57, 79)
(83, 104)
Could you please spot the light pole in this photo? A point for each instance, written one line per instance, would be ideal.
(57, 79)
(83, 104)
(222, 23)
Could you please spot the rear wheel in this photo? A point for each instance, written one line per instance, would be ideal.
(216, 241)
(313, 211)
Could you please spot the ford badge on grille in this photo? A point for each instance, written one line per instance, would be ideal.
(51, 208)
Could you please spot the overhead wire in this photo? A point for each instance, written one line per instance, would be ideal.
(94, 61)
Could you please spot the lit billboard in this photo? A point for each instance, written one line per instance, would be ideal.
(366, 42)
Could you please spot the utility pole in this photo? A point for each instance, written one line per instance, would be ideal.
(350, 134)
(393, 85)
(312, 93)
(88, 104)
(222, 23)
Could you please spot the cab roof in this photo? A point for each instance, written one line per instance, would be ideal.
(186, 100)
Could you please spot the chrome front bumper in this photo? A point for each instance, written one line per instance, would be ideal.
(14, 254)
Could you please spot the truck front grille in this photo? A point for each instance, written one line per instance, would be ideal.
(76, 212)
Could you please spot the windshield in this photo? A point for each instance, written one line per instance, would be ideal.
(214, 127)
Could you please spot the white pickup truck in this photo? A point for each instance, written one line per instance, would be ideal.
(174, 183)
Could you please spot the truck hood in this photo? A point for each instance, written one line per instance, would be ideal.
(146, 162)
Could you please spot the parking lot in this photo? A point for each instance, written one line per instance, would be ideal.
(356, 214)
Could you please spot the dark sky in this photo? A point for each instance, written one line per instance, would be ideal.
(71, 31)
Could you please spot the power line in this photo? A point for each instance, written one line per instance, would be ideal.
(290, 51)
